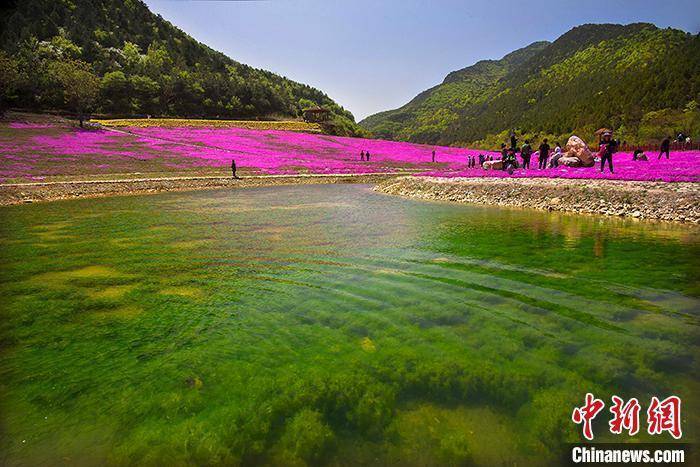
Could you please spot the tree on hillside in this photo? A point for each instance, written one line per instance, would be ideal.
(79, 84)
(115, 91)
(9, 79)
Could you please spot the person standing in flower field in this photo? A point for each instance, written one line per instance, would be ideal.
(362, 155)
(544, 154)
(526, 153)
(608, 146)
(433, 155)
(665, 147)
(233, 169)
(367, 156)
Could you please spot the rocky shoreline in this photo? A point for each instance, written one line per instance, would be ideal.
(675, 202)
(23, 193)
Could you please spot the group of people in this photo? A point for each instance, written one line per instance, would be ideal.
(548, 159)
(364, 155)
(683, 139)
(543, 153)
(664, 150)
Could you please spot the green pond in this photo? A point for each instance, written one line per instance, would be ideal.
(331, 325)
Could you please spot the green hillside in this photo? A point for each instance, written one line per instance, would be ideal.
(430, 114)
(640, 80)
(128, 61)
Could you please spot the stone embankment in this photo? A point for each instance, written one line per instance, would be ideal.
(677, 202)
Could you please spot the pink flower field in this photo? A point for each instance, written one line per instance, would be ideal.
(30, 151)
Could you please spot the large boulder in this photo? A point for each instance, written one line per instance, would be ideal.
(570, 161)
(576, 147)
(493, 165)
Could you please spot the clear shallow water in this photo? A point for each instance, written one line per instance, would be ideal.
(330, 324)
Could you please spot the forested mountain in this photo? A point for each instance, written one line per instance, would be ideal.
(430, 113)
(641, 80)
(127, 60)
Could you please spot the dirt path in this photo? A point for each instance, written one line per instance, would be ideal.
(205, 177)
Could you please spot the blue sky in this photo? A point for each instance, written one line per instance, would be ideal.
(376, 55)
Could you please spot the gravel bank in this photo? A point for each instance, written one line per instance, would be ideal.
(677, 202)
(51, 191)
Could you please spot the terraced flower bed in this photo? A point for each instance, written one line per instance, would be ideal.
(289, 125)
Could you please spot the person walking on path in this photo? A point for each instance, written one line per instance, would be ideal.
(233, 169)
(544, 154)
(665, 147)
(608, 146)
(526, 153)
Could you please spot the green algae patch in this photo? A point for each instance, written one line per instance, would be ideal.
(53, 236)
(124, 242)
(188, 244)
(120, 312)
(183, 291)
(433, 435)
(84, 277)
(111, 292)
(368, 345)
